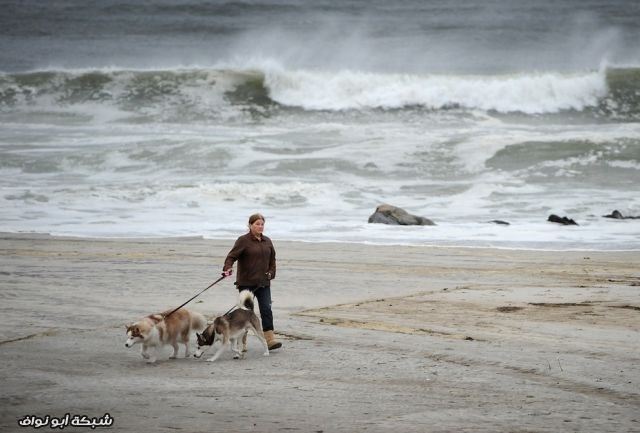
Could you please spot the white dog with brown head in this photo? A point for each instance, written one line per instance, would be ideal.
(158, 330)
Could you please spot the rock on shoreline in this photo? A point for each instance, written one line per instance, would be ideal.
(387, 214)
(616, 214)
(564, 220)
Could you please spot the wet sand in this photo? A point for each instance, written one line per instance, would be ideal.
(376, 338)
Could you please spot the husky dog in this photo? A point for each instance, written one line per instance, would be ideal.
(158, 330)
(231, 327)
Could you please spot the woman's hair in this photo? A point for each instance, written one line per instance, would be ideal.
(255, 217)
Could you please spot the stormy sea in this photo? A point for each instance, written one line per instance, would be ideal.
(181, 118)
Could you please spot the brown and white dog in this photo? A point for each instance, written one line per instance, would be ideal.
(156, 331)
(231, 327)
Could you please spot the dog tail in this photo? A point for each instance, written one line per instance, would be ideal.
(198, 321)
(245, 300)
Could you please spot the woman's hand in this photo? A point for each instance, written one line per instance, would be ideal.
(227, 273)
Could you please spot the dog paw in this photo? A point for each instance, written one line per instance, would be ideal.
(236, 356)
(265, 354)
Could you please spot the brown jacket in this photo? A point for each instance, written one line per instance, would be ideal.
(256, 260)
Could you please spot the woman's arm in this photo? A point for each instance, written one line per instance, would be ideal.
(234, 254)
(272, 263)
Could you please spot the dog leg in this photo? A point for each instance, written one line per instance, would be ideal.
(143, 351)
(186, 349)
(235, 347)
(152, 357)
(244, 341)
(175, 350)
(222, 348)
(260, 336)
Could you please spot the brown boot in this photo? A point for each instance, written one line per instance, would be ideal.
(272, 343)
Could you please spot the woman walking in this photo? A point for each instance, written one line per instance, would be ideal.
(256, 259)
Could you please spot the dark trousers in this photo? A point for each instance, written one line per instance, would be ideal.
(263, 294)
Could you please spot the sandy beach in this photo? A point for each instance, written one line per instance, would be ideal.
(376, 338)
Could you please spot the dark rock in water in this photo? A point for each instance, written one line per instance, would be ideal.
(504, 223)
(387, 214)
(564, 220)
(616, 214)
(380, 218)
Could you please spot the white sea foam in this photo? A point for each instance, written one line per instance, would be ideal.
(526, 93)
(625, 164)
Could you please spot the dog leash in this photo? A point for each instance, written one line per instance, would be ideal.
(196, 295)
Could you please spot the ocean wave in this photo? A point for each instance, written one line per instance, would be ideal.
(156, 95)
(530, 94)
(201, 94)
(609, 92)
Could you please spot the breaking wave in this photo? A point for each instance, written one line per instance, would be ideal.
(201, 94)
